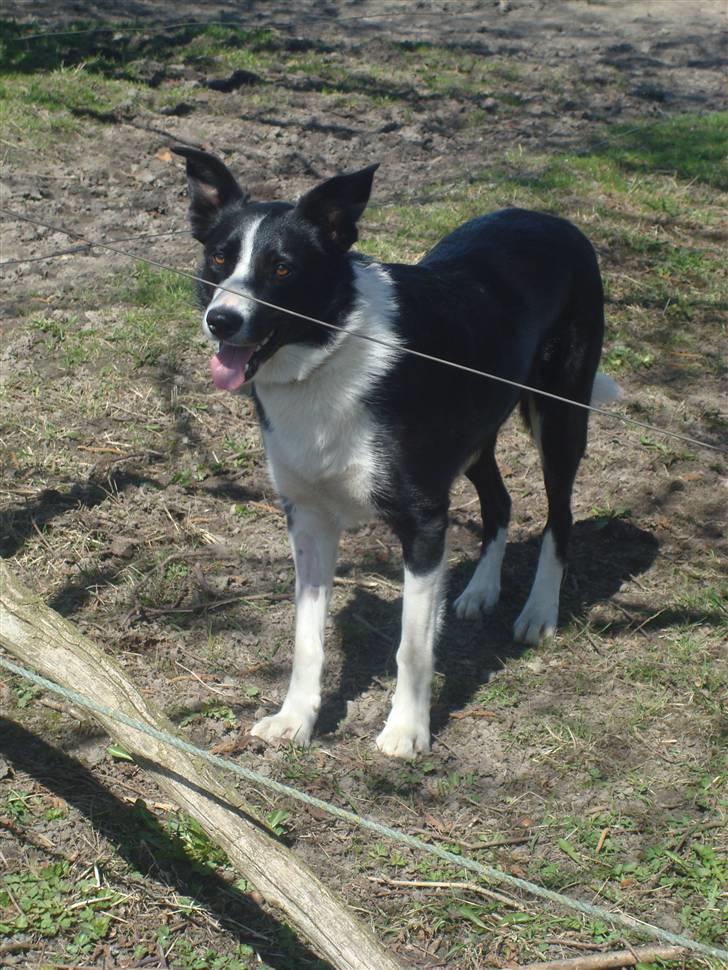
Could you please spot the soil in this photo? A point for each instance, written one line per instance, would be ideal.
(100, 533)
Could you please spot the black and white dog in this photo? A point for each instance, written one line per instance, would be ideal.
(355, 428)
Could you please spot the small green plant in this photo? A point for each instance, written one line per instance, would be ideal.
(17, 806)
(50, 901)
(244, 511)
(194, 842)
(277, 821)
(212, 710)
(26, 693)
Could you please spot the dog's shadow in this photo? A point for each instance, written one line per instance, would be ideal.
(604, 554)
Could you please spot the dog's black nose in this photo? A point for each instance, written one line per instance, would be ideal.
(222, 322)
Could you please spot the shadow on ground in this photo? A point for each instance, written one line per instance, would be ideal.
(605, 554)
(147, 848)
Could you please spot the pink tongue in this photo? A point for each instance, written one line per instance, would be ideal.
(228, 366)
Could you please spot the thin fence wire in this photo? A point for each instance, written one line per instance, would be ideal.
(486, 872)
(399, 13)
(83, 247)
(397, 348)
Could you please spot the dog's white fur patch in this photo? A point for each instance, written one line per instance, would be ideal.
(482, 592)
(322, 443)
(605, 390)
(238, 280)
(407, 731)
(322, 455)
(314, 541)
(540, 614)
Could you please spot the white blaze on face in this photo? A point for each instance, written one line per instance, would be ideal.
(240, 278)
(228, 366)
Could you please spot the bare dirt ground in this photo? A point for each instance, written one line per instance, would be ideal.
(135, 498)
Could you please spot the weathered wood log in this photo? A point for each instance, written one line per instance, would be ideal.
(45, 641)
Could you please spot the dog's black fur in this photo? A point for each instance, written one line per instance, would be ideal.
(515, 293)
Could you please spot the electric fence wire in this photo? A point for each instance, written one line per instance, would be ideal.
(489, 873)
(397, 348)
(86, 246)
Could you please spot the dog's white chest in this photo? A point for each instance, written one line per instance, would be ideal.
(321, 451)
(321, 440)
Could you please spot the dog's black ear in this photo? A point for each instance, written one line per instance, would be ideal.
(336, 205)
(211, 186)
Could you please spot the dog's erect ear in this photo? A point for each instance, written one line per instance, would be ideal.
(211, 186)
(336, 205)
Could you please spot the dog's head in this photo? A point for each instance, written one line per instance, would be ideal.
(290, 256)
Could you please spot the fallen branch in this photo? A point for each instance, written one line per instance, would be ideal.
(470, 887)
(42, 639)
(473, 846)
(611, 961)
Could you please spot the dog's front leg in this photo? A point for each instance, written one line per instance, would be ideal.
(407, 731)
(314, 541)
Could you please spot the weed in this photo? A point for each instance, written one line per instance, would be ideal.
(17, 806)
(49, 901)
(185, 956)
(26, 693)
(214, 711)
(277, 821)
(497, 693)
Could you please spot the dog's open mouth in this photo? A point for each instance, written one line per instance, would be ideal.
(233, 366)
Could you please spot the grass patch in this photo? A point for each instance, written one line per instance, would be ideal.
(158, 318)
(108, 51)
(690, 147)
(157, 290)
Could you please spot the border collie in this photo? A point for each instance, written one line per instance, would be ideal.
(356, 428)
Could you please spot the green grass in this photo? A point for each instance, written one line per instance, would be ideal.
(691, 148)
(158, 317)
(666, 298)
(116, 51)
(155, 320)
(48, 84)
(696, 874)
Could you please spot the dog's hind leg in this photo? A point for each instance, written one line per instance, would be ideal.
(407, 731)
(314, 541)
(482, 592)
(560, 433)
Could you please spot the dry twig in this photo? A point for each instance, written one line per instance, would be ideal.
(470, 887)
(610, 961)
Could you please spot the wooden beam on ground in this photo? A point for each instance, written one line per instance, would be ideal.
(45, 641)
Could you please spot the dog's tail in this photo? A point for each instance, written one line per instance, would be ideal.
(605, 390)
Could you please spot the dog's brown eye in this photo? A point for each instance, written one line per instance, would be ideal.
(281, 270)
(218, 258)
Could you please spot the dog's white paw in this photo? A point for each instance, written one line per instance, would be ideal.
(285, 726)
(472, 603)
(537, 622)
(404, 740)
(482, 592)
